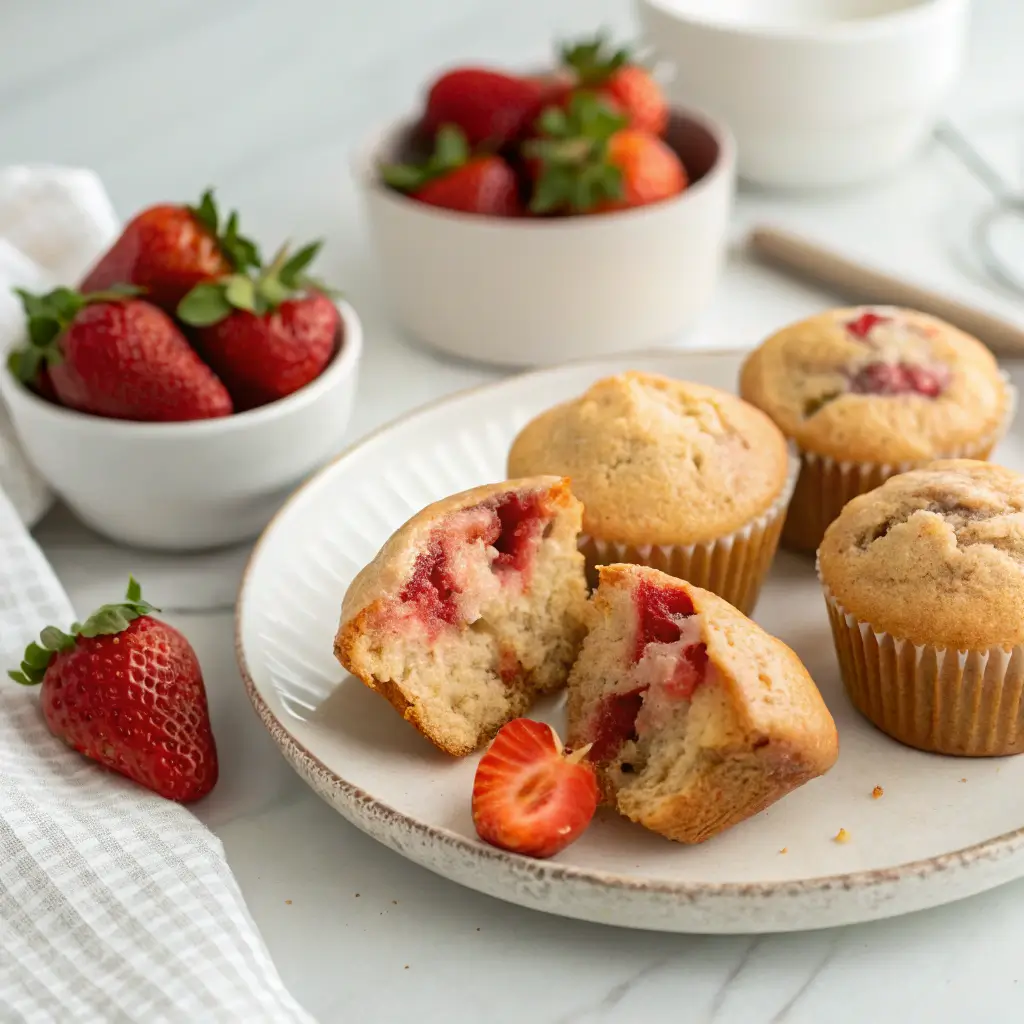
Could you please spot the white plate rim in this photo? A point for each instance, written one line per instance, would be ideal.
(362, 808)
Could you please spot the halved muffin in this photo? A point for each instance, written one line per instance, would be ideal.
(471, 610)
(698, 718)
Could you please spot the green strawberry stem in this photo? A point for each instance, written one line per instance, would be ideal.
(451, 151)
(105, 621)
(572, 150)
(240, 252)
(283, 278)
(47, 316)
(594, 61)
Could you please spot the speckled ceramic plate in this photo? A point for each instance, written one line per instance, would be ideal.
(944, 829)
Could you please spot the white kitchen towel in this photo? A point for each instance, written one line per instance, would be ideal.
(54, 222)
(115, 905)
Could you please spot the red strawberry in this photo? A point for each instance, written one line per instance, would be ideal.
(650, 170)
(528, 796)
(454, 179)
(168, 250)
(489, 106)
(629, 87)
(126, 690)
(113, 355)
(265, 336)
(587, 161)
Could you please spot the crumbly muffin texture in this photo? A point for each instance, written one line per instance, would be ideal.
(658, 461)
(471, 610)
(698, 718)
(934, 556)
(877, 384)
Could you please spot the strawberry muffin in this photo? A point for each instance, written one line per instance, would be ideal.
(869, 392)
(470, 610)
(697, 717)
(679, 476)
(924, 581)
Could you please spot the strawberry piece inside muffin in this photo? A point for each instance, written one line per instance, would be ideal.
(471, 609)
(900, 379)
(697, 717)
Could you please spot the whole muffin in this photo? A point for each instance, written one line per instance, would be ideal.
(869, 392)
(678, 476)
(924, 581)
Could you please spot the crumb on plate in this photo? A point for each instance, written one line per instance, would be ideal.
(288, 902)
(877, 792)
(785, 849)
(842, 836)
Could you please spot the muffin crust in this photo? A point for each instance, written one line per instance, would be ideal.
(656, 460)
(934, 556)
(877, 384)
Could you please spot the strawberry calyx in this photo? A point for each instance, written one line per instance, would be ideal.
(47, 316)
(282, 279)
(451, 151)
(105, 621)
(572, 152)
(241, 252)
(594, 61)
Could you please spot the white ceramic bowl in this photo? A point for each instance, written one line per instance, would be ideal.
(188, 486)
(819, 93)
(537, 291)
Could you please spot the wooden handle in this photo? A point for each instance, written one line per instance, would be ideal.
(861, 284)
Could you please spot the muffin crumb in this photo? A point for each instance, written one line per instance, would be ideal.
(877, 792)
(785, 849)
(842, 836)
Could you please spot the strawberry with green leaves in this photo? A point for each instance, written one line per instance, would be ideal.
(454, 179)
(624, 85)
(586, 160)
(114, 355)
(167, 250)
(125, 689)
(265, 334)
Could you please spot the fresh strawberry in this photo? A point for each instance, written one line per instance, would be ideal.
(126, 690)
(629, 87)
(113, 355)
(587, 161)
(650, 170)
(456, 180)
(265, 335)
(168, 250)
(489, 106)
(528, 795)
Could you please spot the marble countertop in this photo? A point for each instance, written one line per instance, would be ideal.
(267, 101)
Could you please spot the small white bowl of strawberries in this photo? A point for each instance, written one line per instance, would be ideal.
(529, 219)
(185, 387)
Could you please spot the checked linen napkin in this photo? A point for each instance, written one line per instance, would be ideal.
(116, 906)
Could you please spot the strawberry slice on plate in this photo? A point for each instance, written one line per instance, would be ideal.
(529, 796)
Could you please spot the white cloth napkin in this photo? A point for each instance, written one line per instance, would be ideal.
(115, 905)
(54, 222)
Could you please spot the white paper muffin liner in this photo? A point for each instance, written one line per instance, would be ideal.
(825, 484)
(939, 699)
(733, 566)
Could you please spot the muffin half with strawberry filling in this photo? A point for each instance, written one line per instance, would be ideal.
(869, 392)
(698, 718)
(471, 610)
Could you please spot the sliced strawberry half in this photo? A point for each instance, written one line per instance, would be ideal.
(529, 796)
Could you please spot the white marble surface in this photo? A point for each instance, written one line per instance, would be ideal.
(266, 101)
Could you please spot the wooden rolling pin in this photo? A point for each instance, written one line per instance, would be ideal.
(860, 284)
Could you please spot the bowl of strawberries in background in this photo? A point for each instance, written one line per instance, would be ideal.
(185, 387)
(528, 219)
